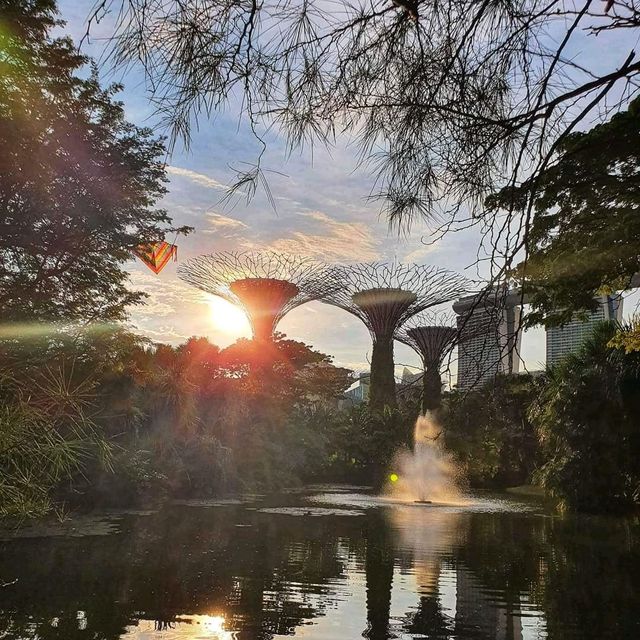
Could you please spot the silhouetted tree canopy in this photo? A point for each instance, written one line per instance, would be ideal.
(450, 100)
(190, 420)
(79, 185)
(585, 234)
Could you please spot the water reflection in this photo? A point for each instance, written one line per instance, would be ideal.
(404, 572)
(428, 538)
(182, 627)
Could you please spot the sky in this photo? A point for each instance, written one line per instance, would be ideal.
(322, 211)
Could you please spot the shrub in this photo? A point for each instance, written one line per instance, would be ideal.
(490, 434)
(45, 438)
(588, 420)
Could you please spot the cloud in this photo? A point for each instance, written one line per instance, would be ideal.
(164, 333)
(330, 239)
(222, 223)
(165, 297)
(197, 178)
(173, 310)
(420, 253)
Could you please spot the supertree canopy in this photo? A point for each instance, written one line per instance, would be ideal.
(432, 336)
(384, 296)
(267, 285)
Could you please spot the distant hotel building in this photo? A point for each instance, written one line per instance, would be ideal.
(359, 393)
(568, 338)
(490, 337)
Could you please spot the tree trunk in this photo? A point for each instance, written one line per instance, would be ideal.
(431, 388)
(382, 390)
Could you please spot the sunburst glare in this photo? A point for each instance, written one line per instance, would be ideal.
(182, 627)
(228, 318)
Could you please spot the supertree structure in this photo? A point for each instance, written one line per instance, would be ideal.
(267, 285)
(384, 296)
(432, 336)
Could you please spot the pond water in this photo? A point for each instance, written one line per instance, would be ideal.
(331, 563)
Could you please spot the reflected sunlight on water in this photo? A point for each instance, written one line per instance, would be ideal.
(304, 565)
(183, 627)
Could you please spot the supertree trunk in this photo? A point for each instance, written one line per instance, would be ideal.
(263, 327)
(431, 388)
(382, 390)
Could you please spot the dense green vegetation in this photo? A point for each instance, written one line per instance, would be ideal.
(575, 430)
(490, 433)
(105, 418)
(79, 185)
(588, 421)
(584, 229)
(92, 415)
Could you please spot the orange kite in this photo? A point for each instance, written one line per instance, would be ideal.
(156, 254)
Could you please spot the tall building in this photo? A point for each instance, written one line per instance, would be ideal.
(568, 338)
(490, 336)
(360, 392)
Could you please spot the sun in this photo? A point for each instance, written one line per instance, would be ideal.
(228, 318)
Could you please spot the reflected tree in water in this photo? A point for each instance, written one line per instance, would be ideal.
(379, 564)
(275, 573)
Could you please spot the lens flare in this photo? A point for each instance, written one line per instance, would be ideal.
(228, 318)
(394, 477)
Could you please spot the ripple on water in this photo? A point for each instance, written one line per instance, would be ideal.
(218, 502)
(194, 627)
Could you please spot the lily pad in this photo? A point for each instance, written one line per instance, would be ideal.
(311, 511)
(214, 502)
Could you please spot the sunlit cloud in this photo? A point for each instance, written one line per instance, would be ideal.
(195, 177)
(419, 254)
(217, 222)
(164, 333)
(330, 239)
(164, 296)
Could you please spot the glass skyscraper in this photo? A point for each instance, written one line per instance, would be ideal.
(568, 338)
(490, 335)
